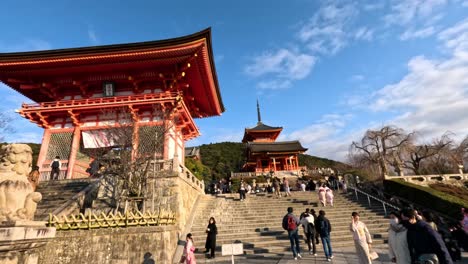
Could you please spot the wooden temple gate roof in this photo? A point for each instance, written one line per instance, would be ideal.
(184, 65)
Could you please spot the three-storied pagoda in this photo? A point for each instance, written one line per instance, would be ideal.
(265, 154)
(73, 88)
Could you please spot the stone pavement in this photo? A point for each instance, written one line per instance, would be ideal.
(348, 256)
(345, 255)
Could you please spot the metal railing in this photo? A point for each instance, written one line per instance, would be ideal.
(385, 204)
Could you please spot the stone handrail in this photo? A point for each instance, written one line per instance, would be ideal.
(77, 200)
(425, 179)
(190, 178)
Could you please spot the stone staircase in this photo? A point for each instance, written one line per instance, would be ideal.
(256, 223)
(57, 193)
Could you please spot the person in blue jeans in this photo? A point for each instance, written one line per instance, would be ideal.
(291, 224)
(324, 229)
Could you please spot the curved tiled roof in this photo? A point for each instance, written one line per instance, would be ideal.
(262, 127)
(284, 146)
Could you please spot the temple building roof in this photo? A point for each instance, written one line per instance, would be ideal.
(262, 127)
(271, 147)
(183, 65)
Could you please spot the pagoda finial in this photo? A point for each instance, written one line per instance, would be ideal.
(258, 112)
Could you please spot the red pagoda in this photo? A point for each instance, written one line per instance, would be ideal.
(72, 87)
(264, 154)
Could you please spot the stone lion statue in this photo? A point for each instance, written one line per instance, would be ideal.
(18, 201)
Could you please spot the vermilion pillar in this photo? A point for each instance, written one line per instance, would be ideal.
(44, 147)
(74, 149)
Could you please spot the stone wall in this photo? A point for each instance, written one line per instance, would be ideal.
(175, 191)
(116, 246)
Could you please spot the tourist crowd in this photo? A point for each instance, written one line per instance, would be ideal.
(412, 237)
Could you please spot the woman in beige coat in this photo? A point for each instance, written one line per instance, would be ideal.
(362, 239)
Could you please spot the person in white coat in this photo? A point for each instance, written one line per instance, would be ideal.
(362, 239)
(329, 195)
(397, 242)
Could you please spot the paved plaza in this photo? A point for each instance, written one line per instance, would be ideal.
(344, 255)
(348, 256)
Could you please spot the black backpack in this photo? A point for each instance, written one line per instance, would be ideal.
(55, 164)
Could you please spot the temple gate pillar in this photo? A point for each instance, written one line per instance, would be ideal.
(73, 151)
(44, 147)
(135, 139)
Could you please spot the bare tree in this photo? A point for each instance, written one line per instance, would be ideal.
(419, 153)
(5, 126)
(379, 145)
(458, 153)
(129, 150)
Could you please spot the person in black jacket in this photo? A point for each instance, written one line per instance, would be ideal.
(316, 235)
(212, 231)
(423, 239)
(324, 228)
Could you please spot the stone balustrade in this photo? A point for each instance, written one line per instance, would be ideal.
(427, 179)
(191, 179)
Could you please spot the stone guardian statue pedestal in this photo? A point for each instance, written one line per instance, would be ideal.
(20, 236)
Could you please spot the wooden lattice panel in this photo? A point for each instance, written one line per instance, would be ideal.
(60, 145)
(151, 140)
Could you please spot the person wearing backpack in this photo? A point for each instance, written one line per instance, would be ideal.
(55, 166)
(290, 224)
(307, 221)
(324, 228)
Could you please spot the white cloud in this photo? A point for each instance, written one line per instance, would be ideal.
(456, 39)
(373, 6)
(363, 33)
(281, 67)
(27, 45)
(357, 78)
(327, 31)
(325, 138)
(433, 97)
(284, 63)
(274, 84)
(420, 33)
(92, 35)
(406, 11)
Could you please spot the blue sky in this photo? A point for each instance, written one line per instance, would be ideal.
(324, 70)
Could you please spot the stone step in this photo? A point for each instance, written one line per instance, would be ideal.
(257, 222)
(278, 246)
(245, 237)
(233, 230)
(57, 193)
(258, 217)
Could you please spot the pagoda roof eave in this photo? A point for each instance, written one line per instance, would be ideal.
(260, 127)
(276, 147)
